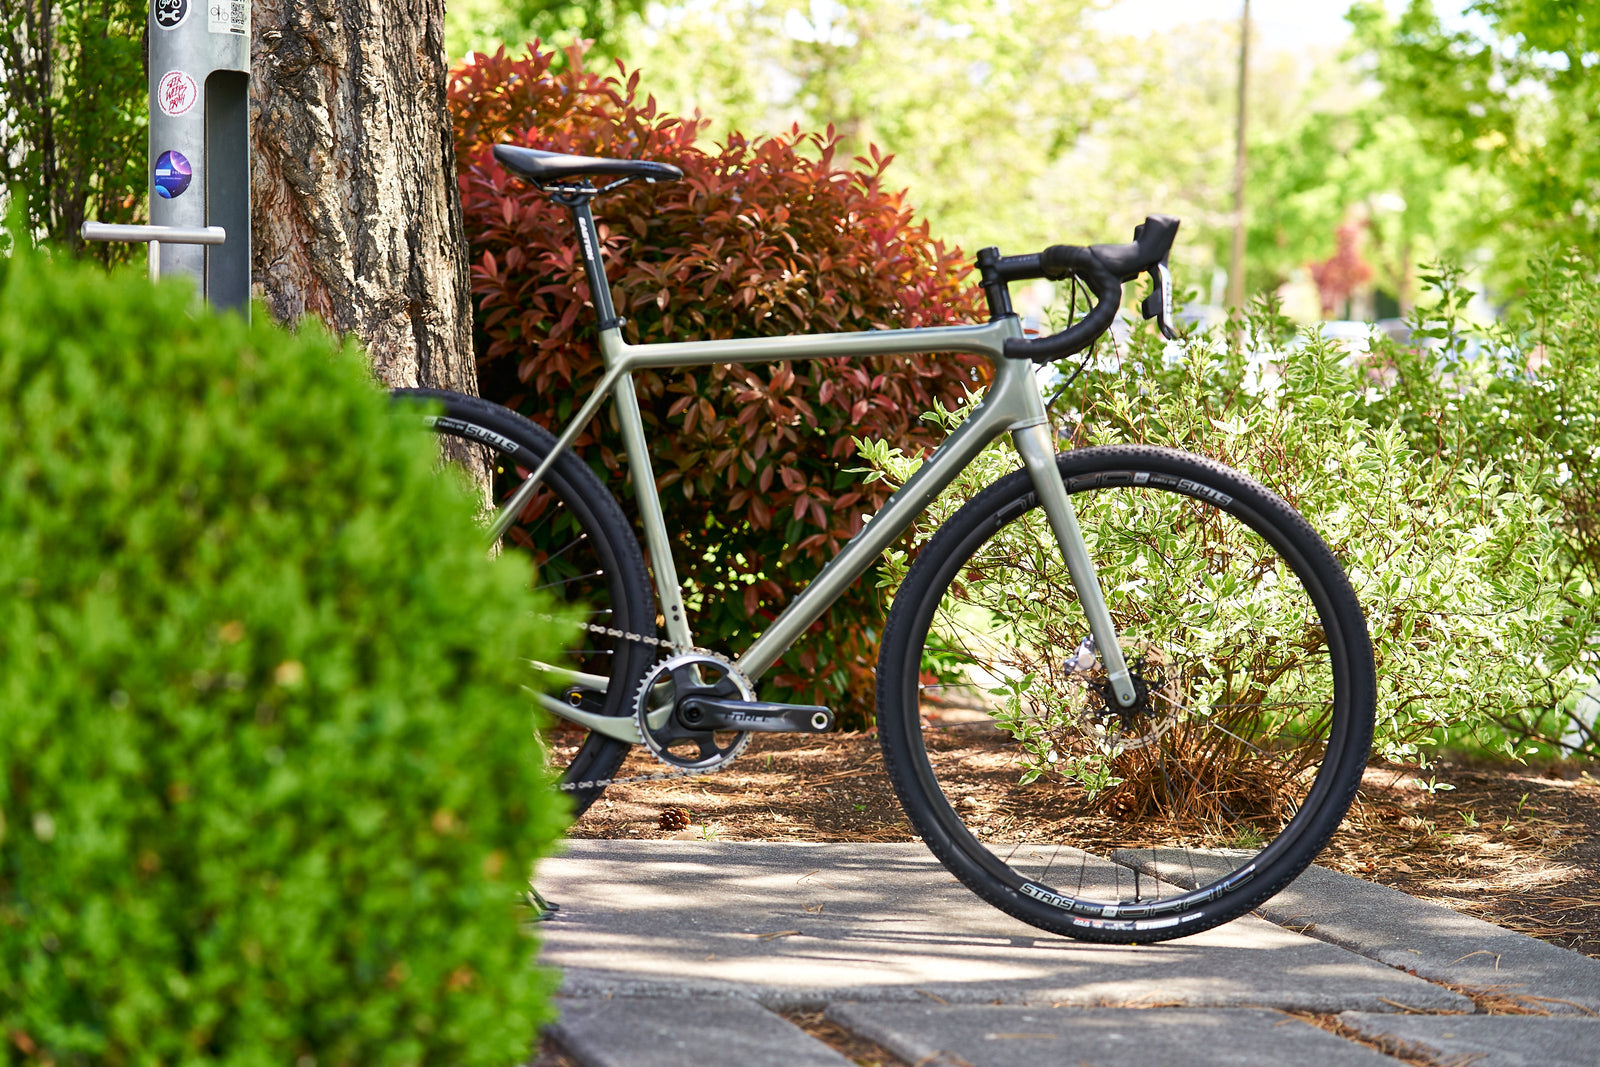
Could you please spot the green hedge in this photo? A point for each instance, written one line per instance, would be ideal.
(268, 784)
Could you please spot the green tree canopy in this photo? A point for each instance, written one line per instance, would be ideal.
(482, 25)
(1512, 95)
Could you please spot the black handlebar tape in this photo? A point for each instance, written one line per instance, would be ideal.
(1019, 268)
(1103, 268)
(1107, 289)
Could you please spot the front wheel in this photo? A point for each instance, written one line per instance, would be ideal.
(1244, 746)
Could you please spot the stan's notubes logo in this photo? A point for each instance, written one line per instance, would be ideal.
(169, 14)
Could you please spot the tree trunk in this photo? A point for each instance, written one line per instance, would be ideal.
(357, 217)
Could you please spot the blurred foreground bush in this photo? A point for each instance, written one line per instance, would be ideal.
(268, 784)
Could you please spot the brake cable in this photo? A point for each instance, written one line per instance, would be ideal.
(1072, 314)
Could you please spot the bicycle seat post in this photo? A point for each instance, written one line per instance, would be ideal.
(575, 198)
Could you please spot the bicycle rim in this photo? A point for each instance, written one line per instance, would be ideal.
(1241, 753)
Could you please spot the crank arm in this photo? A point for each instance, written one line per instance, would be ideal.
(755, 716)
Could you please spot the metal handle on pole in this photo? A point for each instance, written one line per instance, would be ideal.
(155, 236)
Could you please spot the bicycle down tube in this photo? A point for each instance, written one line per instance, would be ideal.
(1011, 403)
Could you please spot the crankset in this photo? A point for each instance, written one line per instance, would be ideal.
(696, 711)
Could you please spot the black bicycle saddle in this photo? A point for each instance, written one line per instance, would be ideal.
(541, 167)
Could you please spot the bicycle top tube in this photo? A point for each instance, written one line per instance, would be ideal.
(1104, 268)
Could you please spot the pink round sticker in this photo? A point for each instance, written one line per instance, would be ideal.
(176, 93)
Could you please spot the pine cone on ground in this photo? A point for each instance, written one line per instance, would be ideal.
(674, 819)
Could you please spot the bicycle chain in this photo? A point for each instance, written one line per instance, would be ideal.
(684, 772)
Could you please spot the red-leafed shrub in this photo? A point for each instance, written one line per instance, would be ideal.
(770, 236)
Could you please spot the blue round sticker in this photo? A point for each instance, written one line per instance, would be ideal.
(173, 175)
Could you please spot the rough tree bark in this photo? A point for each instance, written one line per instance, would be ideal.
(357, 218)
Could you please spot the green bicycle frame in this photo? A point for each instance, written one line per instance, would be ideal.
(1013, 402)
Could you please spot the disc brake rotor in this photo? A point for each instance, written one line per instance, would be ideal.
(1157, 702)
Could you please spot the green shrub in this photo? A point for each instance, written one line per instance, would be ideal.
(1448, 557)
(268, 785)
(1522, 397)
(761, 237)
(74, 128)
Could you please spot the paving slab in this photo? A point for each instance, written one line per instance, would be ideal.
(1004, 1036)
(1487, 1040)
(1425, 939)
(684, 1032)
(802, 925)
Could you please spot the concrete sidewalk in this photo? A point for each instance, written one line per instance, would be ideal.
(679, 953)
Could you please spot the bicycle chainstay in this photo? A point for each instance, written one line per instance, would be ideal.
(682, 772)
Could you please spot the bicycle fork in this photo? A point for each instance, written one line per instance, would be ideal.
(1033, 443)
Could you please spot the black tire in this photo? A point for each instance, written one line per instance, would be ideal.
(1244, 751)
(585, 552)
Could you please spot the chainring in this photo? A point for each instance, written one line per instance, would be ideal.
(699, 672)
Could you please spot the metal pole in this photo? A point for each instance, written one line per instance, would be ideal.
(199, 138)
(199, 148)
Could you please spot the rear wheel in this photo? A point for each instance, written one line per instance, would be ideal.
(585, 555)
(1251, 725)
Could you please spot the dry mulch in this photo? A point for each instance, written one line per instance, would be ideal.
(1516, 846)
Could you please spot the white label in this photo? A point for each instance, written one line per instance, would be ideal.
(176, 93)
(228, 16)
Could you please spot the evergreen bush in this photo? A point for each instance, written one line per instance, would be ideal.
(773, 236)
(1450, 556)
(268, 784)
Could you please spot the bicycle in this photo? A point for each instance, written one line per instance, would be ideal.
(1125, 759)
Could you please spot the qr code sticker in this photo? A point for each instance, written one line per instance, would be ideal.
(228, 16)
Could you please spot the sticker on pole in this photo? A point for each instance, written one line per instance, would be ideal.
(176, 93)
(169, 14)
(173, 175)
(228, 16)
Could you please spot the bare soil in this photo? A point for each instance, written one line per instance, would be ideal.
(1515, 846)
